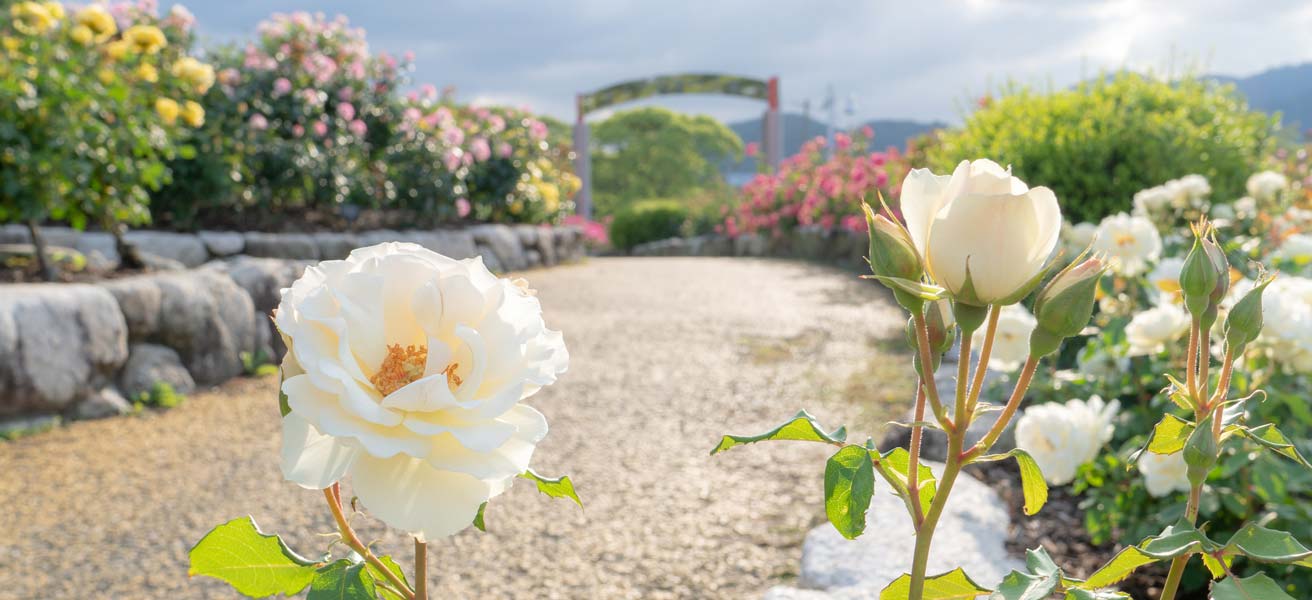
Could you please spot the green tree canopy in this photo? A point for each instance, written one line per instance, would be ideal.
(1097, 144)
(656, 153)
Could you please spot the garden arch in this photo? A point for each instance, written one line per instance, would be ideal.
(686, 83)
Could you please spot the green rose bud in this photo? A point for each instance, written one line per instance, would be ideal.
(941, 329)
(1064, 306)
(1197, 280)
(1221, 265)
(1244, 322)
(892, 254)
(1200, 452)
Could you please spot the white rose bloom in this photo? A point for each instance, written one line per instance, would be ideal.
(1011, 341)
(405, 371)
(1131, 243)
(1164, 473)
(1151, 330)
(1152, 201)
(1287, 322)
(1061, 437)
(1246, 207)
(1193, 188)
(1165, 277)
(1297, 248)
(1267, 186)
(984, 216)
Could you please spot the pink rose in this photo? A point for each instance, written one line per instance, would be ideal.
(298, 130)
(258, 122)
(358, 128)
(320, 129)
(504, 150)
(281, 86)
(452, 159)
(480, 149)
(346, 110)
(462, 207)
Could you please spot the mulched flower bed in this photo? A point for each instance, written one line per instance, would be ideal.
(1059, 529)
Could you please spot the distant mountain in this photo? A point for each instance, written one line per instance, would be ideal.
(799, 128)
(1287, 90)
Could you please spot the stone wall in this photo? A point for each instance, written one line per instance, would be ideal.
(84, 350)
(842, 247)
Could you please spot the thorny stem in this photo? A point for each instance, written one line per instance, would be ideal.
(421, 570)
(1216, 403)
(926, 365)
(334, 496)
(1008, 411)
(1204, 361)
(963, 375)
(913, 470)
(1191, 364)
(981, 367)
(956, 459)
(1177, 565)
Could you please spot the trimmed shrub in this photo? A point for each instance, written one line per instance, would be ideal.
(648, 221)
(1099, 143)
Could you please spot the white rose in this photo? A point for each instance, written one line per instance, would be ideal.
(1152, 201)
(1011, 343)
(1151, 330)
(1246, 207)
(405, 370)
(1297, 248)
(1164, 473)
(984, 216)
(1267, 186)
(1061, 437)
(1193, 188)
(1131, 243)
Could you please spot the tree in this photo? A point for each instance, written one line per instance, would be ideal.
(657, 153)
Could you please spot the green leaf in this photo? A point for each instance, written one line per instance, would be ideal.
(342, 580)
(1026, 586)
(849, 484)
(1033, 487)
(1169, 435)
(894, 465)
(252, 562)
(559, 487)
(1216, 566)
(953, 585)
(916, 289)
(478, 518)
(1177, 540)
(283, 406)
(1079, 594)
(1270, 437)
(1253, 587)
(386, 592)
(1120, 567)
(802, 427)
(1266, 545)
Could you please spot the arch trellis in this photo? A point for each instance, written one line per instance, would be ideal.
(687, 83)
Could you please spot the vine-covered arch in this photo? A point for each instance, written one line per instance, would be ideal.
(766, 90)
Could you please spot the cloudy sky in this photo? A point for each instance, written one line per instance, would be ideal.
(919, 59)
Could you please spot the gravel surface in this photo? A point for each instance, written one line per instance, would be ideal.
(667, 355)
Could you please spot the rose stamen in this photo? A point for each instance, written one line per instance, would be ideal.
(400, 367)
(453, 380)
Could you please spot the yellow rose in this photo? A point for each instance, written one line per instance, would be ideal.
(98, 20)
(116, 49)
(11, 44)
(196, 73)
(145, 39)
(31, 17)
(550, 196)
(55, 9)
(147, 73)
(167, 109)
(82, 34)
(106, 76)
(193, 114)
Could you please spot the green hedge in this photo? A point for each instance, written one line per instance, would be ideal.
(1099, 143)
(647, 221)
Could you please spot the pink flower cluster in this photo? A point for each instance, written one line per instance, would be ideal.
(812, 189)
(471, 134)
(594, 232)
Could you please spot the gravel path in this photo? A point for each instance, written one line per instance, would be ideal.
(667, 354)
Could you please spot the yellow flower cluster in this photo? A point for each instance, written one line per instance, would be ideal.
(145, 39)
(194, 72)
(94, 24)
(35, 18)
(168, 109)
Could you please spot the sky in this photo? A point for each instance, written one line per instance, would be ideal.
(922, 59)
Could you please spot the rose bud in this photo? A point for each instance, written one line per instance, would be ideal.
(1244, 322)
(1197, 278)
(893, 256)
(1064, 306)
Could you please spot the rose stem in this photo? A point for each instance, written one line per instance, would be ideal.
(333, 494)
(981, 367)
(421, 570)
(913, 463)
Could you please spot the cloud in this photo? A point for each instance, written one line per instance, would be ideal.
(923, 59)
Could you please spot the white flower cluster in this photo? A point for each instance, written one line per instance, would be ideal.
(1167, 202)
(1286, 320)
(1011, 342)
(1150, 331)
(1131, 243)
(1267, 186)
(1061, 437)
